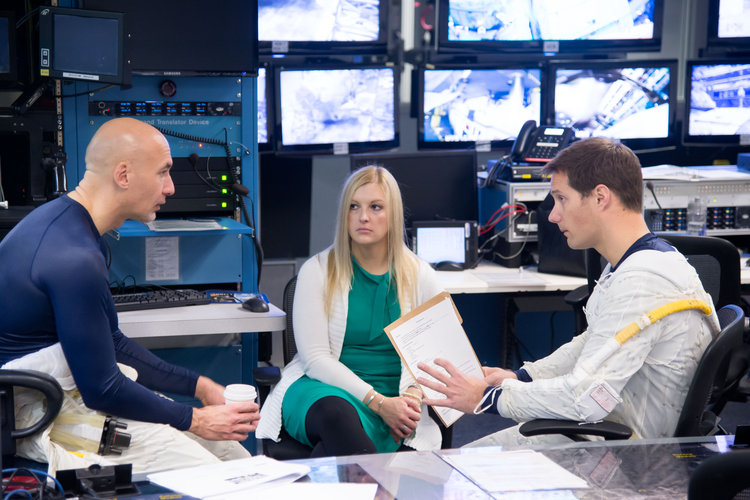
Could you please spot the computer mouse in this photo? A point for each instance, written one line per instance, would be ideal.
(449, 265)
(256, 305)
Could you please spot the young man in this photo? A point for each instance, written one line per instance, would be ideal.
(60, 317)
(598, 191)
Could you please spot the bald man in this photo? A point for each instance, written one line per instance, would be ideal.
(58, 315)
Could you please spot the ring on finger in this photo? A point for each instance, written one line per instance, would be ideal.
(404, 429)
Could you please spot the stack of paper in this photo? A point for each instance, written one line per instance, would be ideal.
(226, 478)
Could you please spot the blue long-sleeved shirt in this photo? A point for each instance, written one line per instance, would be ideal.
(56, 288)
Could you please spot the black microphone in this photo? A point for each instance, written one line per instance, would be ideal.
(193, 159)
(240, 189)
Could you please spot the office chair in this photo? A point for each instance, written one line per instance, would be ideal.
(38, 381)
(704, 400)
(288, 448)
(720, 477)
(716, 261)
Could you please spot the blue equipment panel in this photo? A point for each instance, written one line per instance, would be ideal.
(214, 110)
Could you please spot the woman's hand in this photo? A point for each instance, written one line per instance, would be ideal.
(401, 414)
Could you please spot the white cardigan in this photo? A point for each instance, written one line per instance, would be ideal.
(319, 342)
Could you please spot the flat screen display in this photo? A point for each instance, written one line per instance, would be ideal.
(478, 105)
(734, 19)
(262, 107)
(81, 44)
(435, 186)
(718, 101)
(579, 25)
(7, 47)
(188, 37)
(85, 45)
(631, 102)
(512, 20)
(326, 107)
(319, 20)
(437, 244)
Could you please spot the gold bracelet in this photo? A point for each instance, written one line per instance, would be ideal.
(380, 404)
(371, 398)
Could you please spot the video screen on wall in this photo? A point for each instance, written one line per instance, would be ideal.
(733, 19)
(262, 107)
(515, 20)
(337, 106)
(319, 20)
(479, 105)
(719, 99)
(630, 102)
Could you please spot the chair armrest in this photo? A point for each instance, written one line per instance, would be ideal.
(577, 297)
(573, 430)
(267, 375)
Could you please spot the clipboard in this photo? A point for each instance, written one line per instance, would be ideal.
(413, 336)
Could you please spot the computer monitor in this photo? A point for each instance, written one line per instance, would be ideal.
(435, 186)
(550, 25)
(317, 27)
(188, 37)
(729, 25)
(717, 101)
(8, 71)
(80, 44)
(632, 101)
(336, 109)
(481, 108)
(263, 123)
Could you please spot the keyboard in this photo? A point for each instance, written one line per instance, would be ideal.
(157, 299)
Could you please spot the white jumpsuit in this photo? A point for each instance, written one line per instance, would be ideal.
(648, 375)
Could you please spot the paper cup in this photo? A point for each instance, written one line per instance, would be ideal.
(239, 393)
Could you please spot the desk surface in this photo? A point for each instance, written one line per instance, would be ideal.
(199, 320)
(489, 277)
(657, 468)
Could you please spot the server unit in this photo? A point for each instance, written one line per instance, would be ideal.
(727, 203)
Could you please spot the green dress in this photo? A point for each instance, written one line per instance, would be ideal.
(367, 351)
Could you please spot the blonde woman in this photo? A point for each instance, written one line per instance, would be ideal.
(346, 392)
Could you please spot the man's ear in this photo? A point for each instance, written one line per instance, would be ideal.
(120, 175)
(602, 195)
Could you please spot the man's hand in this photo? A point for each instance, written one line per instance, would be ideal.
(462, 391)
(209, 392)
(495, 376)
(225, 422)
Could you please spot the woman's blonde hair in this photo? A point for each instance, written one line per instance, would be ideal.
(402, 261)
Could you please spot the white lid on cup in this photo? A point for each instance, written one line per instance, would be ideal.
(237, 393)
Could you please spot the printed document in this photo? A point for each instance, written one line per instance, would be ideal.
(520, 470)
(431, 331)
(219, 479)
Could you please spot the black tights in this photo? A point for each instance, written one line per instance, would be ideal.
(334, 428)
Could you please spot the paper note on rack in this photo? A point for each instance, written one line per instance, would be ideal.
(433, 330)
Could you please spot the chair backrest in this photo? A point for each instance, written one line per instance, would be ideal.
(717, 262)
(290, 347)
(710, 378)
(720, 477)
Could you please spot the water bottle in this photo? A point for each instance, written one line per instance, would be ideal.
(696, 217)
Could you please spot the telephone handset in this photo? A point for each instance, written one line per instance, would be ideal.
(539, 144)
